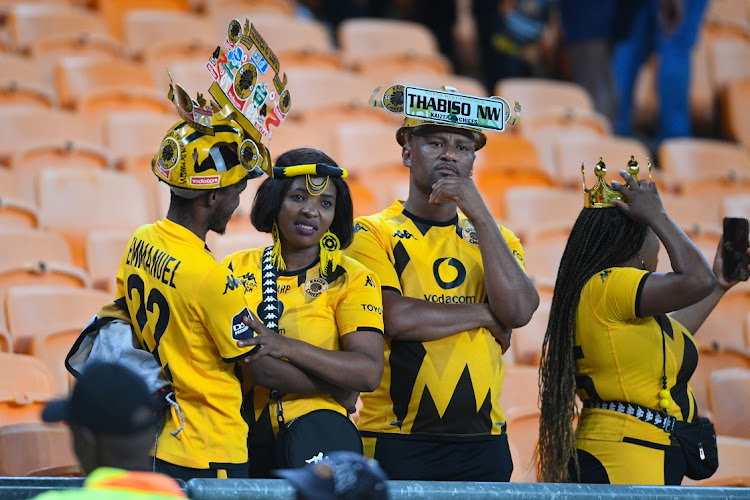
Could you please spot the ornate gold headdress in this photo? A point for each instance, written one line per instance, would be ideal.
(602, 195)
(446, 107)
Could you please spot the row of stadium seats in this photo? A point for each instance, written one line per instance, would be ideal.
(21, 430)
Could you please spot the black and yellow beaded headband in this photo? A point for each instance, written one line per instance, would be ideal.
(310, 170)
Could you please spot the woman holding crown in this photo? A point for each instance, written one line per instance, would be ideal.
(620, 336)
(318, 314)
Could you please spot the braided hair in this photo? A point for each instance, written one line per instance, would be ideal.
(601, 238)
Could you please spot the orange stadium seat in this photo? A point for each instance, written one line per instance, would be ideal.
(327, 96)
(729, 61)
(136, 134)
(527, 340)
(26, 384)
(538, 94)
(364, 199)
(543, 254)
(303, 134)
(92, 84)
(464, 84)
(368, 43)
(520, 387)
(728, 19)
(45, 321)
(36, 449)
(735, 119)
(705, 166)
(697, 217)
(34, 257)
(729, 393)
(615, 151)
(151, 33)
(523, 436)
(16, 210)
(104, 249)
(710, 360)
(507, 161)
(48, 30)
(295, 41)
(241, 9)
(724, 327)
(6, 343)
(29, 133)
(190, 73)
(226, 244)
(113, 12)
(73, 202)
(533, 212)
(23, 83)
(734, 455)
(362, 148)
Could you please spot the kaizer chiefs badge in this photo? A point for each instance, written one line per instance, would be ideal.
(249, 155)
(285, 100)
(234, 31)
(244, 81)
(393, 98)
(470, 235)
(315, 286)
(169, 155)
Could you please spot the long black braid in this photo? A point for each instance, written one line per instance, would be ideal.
(601, 238)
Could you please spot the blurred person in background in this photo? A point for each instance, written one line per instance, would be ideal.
(668, 28)
(110, 413)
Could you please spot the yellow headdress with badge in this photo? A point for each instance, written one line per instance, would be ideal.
(602, 195)
(330, 246)
(219, 143)
(446, 107)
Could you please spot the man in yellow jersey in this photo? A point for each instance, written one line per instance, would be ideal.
(111, 419)
(453, 287)
(185, 307)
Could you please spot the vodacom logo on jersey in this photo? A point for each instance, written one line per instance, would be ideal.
(204, 180)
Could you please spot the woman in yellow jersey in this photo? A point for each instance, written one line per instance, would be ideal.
(318, 314)
(620, 336)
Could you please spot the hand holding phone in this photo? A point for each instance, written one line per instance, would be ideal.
(734, 249)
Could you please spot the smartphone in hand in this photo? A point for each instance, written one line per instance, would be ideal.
(734, 248)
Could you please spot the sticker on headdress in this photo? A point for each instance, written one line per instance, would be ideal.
(439, 106)
(315, 286)
(249, 155)
(169, 155)
(393, 98)
(246, 76)
(191, 111)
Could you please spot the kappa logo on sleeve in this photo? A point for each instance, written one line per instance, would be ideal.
(239, 329)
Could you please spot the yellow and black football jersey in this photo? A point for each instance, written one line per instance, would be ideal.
(448, 386)
(619, 357)
(312, 309)
(187, 310)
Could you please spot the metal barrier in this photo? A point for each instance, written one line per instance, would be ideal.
(276, 489)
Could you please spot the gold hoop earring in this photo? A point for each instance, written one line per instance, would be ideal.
(330, 252)
(276, 259)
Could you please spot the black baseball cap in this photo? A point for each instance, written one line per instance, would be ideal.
(343, 475)
(108, 398)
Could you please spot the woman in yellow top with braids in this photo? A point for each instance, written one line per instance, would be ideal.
(620, 336)
(318, 314)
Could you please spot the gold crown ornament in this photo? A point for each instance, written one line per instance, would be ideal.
(602, 195)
